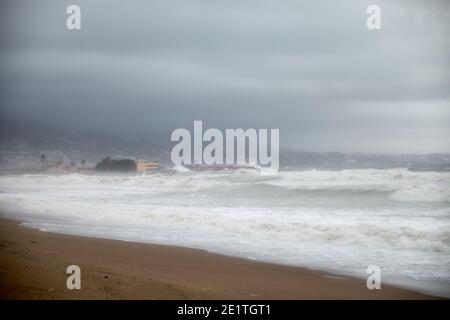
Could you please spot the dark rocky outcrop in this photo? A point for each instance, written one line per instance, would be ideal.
(108, 164)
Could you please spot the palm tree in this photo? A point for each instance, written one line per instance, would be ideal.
(43, 160)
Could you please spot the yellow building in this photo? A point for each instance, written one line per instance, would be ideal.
(142, 166)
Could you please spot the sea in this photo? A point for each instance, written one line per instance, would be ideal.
(339, 221)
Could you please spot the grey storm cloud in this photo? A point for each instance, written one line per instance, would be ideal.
(310, 68)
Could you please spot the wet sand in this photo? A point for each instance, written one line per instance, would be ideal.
(33, 266)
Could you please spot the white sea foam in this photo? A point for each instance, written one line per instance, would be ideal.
(180, 168)
(405, 185)
(335, 220)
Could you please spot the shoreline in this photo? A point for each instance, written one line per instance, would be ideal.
(33, 264)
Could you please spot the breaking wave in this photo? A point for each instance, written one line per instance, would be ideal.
(342, 220)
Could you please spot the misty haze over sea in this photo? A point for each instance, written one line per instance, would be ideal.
(22, 144)
(329, 211)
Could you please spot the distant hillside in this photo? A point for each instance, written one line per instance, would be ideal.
(22, 142)
(33, 138)
(336, 160)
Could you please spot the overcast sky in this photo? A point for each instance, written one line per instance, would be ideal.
(310, 68)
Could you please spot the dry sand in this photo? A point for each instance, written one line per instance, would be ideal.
(33, 264)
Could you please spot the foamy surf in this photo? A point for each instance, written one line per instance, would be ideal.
(341, 221)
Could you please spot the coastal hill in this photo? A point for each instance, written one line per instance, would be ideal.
(21, 145)
(123, 165)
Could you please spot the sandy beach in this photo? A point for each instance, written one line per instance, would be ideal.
(33, 264)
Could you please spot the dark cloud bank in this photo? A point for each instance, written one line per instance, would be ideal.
(310, 68)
